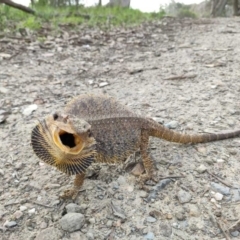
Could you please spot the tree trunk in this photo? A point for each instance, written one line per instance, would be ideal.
(235, 8)
(218, 7)
(18, 6)
(119, 3)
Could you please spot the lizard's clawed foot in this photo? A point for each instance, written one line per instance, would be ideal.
(69, 194)
(148, 177)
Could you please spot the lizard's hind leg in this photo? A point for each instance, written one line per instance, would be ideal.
(147, 161)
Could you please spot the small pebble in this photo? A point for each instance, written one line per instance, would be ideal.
(218, 196)
(169, 216)
(72, 222)
(28, 110)
(109, 223)
(184, 196)
(32, 211)
(103, 84)
(180, 216)
(175, 225)
(235, 233)
(92, 220)
(220, 188)
(9, 224)
(23, 208)
(149, 236)
(193, 210)
(151, 219)
(171, 125)
(73, 208)
(90, 236)
(18, 214)
(165, 229)
(201, 169)
(236, 195)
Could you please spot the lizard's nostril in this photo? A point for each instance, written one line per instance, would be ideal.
(55, 116)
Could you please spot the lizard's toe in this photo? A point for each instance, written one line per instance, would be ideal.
(69, 194)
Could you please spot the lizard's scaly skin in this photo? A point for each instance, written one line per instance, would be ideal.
(116, 132)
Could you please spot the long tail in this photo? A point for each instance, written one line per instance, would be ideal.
(159, 131)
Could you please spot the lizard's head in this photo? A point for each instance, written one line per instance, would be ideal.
(65, 142)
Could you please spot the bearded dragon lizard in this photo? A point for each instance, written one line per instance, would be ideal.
(100, 129)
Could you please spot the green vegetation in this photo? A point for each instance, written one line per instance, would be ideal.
(180, 10)
(104, 17)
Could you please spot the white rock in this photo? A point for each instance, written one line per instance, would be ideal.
(23, 208)
(218, 196)
(201, 169)
(3, 90)
(103, 84)
(213, 200)
(28, 110)
(32, 211)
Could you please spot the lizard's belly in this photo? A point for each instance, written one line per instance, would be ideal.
(115, 145)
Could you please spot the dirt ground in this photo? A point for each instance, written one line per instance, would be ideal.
(184, 74)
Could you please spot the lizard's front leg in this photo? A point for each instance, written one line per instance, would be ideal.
(73, 192)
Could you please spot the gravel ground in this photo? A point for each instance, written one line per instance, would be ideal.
(184, 74)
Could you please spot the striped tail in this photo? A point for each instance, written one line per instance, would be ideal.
(159, 131)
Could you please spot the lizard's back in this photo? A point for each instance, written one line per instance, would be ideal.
(117, 129)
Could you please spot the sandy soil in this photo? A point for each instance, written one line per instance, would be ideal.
(182, 73)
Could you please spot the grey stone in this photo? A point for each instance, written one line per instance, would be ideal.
(73, 208)
(201, 169)
(10, 224)
(235, 233)
(180, 216)
(220, 188)
(165, 229)
(184, 196)
(149, 236)
(236, 195)
(151, 219)
(90, 236)
(171, 125)
(72, 222)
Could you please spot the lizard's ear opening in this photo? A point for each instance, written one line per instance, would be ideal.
(68, 142)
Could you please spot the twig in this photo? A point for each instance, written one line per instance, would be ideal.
(10, 204)
(173, 176)
(235, 225)
(219, 179)
(224, 233)
(40, 204)
(214, 220)
(181, 77)
(207, 189)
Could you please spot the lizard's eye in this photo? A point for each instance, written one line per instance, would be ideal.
(55, 116)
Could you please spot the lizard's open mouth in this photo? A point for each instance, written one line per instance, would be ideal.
(68, 142)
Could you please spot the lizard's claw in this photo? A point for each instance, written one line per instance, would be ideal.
(146, 177)
(69, 194)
